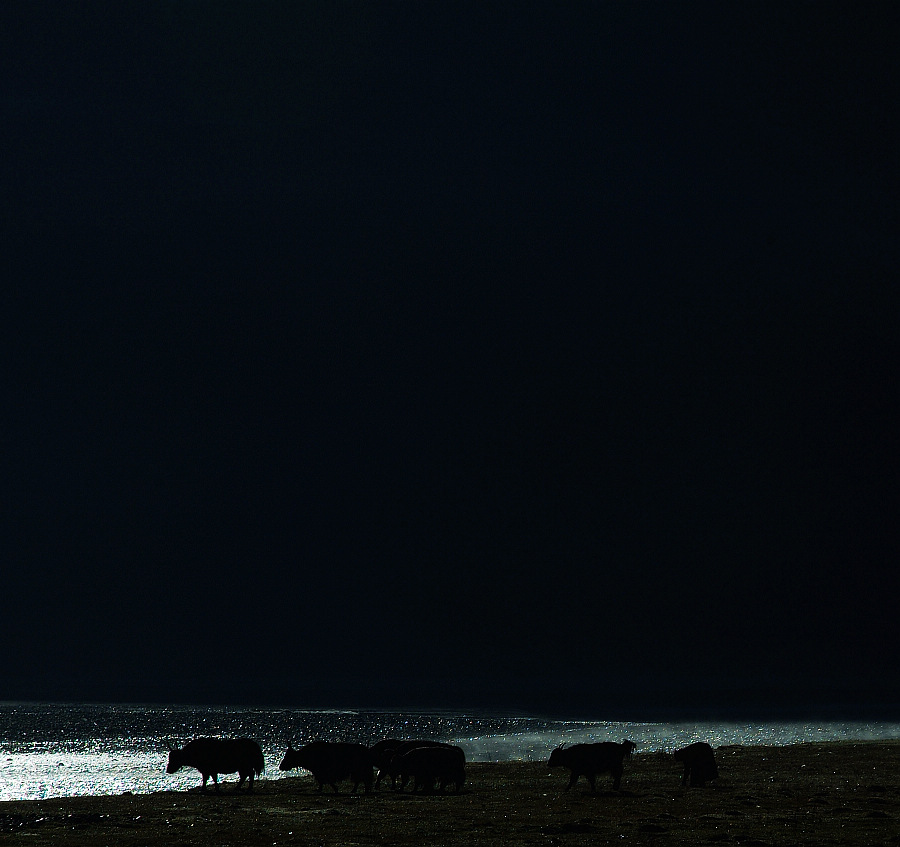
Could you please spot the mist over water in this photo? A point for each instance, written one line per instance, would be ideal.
(668, 737)
(68, 750)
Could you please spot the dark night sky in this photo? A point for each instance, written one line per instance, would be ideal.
(497, 355)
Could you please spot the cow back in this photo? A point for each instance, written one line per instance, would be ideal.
(329, 761)
(221, 755)
(445, 763)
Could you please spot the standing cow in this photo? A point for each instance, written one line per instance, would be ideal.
(388, 757)
(588, 760)
(331, 762)
(699, 763)
(434, 764)
(381, 753)
(212, 756)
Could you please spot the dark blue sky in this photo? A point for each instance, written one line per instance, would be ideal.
(452, 355)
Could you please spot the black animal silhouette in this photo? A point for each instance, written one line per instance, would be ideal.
(432, 765)
(588, 760)
(699, 763)
(387, 756)
(331, 762)
(382, 752)
(212, 756)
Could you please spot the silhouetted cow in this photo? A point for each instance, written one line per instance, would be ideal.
(699, 763)
(590, 759)
(381, 753)
(387, 756)
(212, 756)
(440, 764)
(330, 762)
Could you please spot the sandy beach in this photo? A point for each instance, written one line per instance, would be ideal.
(837, 793)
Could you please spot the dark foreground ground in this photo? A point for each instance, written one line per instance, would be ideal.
(847, 793)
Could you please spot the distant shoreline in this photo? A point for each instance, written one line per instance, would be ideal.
(883, 707)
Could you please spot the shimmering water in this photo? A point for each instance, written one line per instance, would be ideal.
(67, 750)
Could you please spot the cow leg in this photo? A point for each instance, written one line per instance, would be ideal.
(215, 778)
(617, 778)
(684, 778)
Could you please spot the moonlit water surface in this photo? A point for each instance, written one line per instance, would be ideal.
(68, 750)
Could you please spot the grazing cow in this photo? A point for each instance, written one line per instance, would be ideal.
(433, 764)
(699, 763)
(590, 759)
(212, 756)
(330, 762)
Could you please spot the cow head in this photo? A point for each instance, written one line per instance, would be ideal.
(176, 760)
(290, 760)
(557, 757)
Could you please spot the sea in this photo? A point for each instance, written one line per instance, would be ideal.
(66, 750)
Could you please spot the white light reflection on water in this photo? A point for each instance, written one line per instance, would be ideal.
(40, 773)
(33, 776)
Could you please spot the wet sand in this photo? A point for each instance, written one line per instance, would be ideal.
(844, 793)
